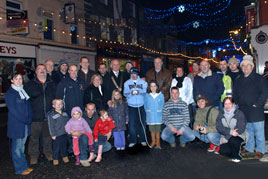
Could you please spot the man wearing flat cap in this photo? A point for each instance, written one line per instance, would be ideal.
(234, 71)
(250, 93)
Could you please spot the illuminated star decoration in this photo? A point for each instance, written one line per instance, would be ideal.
(196, 24)
(181, 9)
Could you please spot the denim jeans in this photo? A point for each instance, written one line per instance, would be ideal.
(256, 130)
(187, 136)
(83, 146)
(134, 125)
(17, 153)
(212, 137)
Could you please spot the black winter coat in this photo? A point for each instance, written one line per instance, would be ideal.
(92, 94)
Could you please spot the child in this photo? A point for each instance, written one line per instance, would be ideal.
(119, 112)
(102, 131)
(56, 122)
(77, 124)
(154, 103)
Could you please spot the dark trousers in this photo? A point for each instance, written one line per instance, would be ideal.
(134, 125)
(232, 148)
(59, 146)
(191, 114)
(38, 128)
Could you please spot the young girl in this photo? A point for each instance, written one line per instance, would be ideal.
(77, 126)
(102, 131)
(154, 103)
(119, 112)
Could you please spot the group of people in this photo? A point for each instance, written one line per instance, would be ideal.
(77, 111)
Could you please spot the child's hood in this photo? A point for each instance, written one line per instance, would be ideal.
(77, 108)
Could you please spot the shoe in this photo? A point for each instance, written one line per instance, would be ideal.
(55, 162)
(259, 155)
(49, 158)
(122, 148)
(118, 148)
(84, 163)
(236, 160)
(65, 159)
(92, 157)
(157, 147)
(30, 169)
(33, 161)
(98, 159)
(182, 145)
(244, 152)
(77, 160)
(217, 150)
(131, 145)
(212, 147)
(264, 158)
(143, 144)
(173, 145)
(27, 172)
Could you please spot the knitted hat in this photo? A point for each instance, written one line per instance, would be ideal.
(247, 59)
(63, 61)
(233, 60)
(76, 109)
(134, 70)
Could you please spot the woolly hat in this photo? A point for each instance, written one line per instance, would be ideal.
(76, 109)
(134, 70)
(247, 59)
(201, 96)
(129, 61)
(233, 60)
(63, 61)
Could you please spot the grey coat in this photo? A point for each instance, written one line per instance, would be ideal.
(119, 113)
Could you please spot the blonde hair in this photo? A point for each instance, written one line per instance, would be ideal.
(120, 99)
(57, 99)
(95, 76)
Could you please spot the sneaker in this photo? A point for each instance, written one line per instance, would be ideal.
(65, 159)
(157, 147)
(212, 147)
(264, 158)
(173, 145)
(118, 148)
(122, 148)
(55, 162)
(84, 163)
(217, 150)
(26, 172)
(143, 144)
(236, 160)
(33, 161)
(131, 145)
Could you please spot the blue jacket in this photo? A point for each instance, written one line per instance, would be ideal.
(135, 100)
(72, 93)
(19, 115)
(211, 86)
(57, 122)
(153, 108)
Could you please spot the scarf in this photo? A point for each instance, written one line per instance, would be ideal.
(179, 80)
(21, 91)
(229, 114)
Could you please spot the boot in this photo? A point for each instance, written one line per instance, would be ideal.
(157, 134)
(65, 159)
(77, 160)
(55, 162)
(153, 139)
(99, 154)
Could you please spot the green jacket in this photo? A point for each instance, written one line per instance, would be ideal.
(227, 82)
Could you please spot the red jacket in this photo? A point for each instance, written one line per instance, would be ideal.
(103, 127)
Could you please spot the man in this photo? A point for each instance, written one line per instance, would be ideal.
(128, 66)
(102, 70)
(234, 71)
(195, 67)
(85, 73)
(49, 64)
(134, 90)
(250, 93)
(41, 91)
(62, 72)
(176, 118)
(161, 75)
(209, 84)
(71, 90)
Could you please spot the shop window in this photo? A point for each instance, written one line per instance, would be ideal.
(120, 35)
(132, 9)
(105, 30)
(48, 31)
(134, 35)
(13, 6)
(74, 34)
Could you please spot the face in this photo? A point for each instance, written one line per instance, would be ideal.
(49, 66)
(96, 81)
(115, 65)
(117, 96)
(17, 80)
(247, 68)
(73, 72)
(104, 116)
(41, 72)
(158, 63)
(102, 69)
(228, 105)
(90, 109)
(233, 66)
(223, 66)
(76, 115)
(128, 66)
(57, 105)
(84, 63)
(153, 87)
(201, 103)
(64, 68)
(134, 76)
(179, 72)
(195, 67)
(204, 66)
(174, 94)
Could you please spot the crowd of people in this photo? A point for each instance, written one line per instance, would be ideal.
(76, 111)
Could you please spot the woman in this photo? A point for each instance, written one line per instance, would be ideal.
(205, 124)
(95, 93)
(231, 124)
(19, 120)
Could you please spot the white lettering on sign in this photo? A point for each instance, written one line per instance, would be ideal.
(16, 50)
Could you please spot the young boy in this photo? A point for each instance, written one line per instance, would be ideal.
(56, 122)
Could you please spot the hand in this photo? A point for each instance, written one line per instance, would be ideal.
(254, 105)
(96, 140)
(76, 133)
(126, 123)
(173, 129)
(223, 141)
(53, 138)
(197, 127)
(110, 103)
(204, 131)
(179, 132)
(235, 133)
